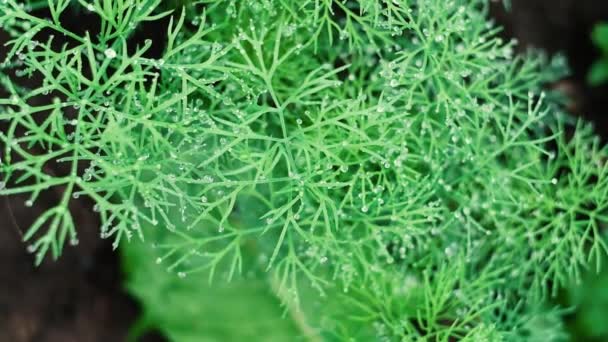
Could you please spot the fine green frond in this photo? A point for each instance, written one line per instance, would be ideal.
(387, 170)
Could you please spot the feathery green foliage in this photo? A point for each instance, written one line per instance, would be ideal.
(387, 169)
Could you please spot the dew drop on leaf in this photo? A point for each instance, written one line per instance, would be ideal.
(110, 53)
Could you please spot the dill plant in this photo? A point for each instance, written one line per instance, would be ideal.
(351, 170)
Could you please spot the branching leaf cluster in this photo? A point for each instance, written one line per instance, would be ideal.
(388, 168)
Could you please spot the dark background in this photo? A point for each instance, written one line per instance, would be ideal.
(79, 297)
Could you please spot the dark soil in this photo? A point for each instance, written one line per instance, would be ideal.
(79, 297)
(76, 298)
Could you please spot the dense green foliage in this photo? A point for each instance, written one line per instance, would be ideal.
(599, 70)
(387, 170)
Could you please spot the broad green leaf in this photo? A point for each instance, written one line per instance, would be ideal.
(189, 308)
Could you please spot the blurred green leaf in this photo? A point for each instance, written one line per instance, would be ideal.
(189, 308)
(590, 298)
(600, 37)
(599, 70)
(598, 73)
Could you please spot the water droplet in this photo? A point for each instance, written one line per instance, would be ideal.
(110, 53)
(181, 275)
(450, 251)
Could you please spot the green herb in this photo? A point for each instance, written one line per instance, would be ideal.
(384, 169)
